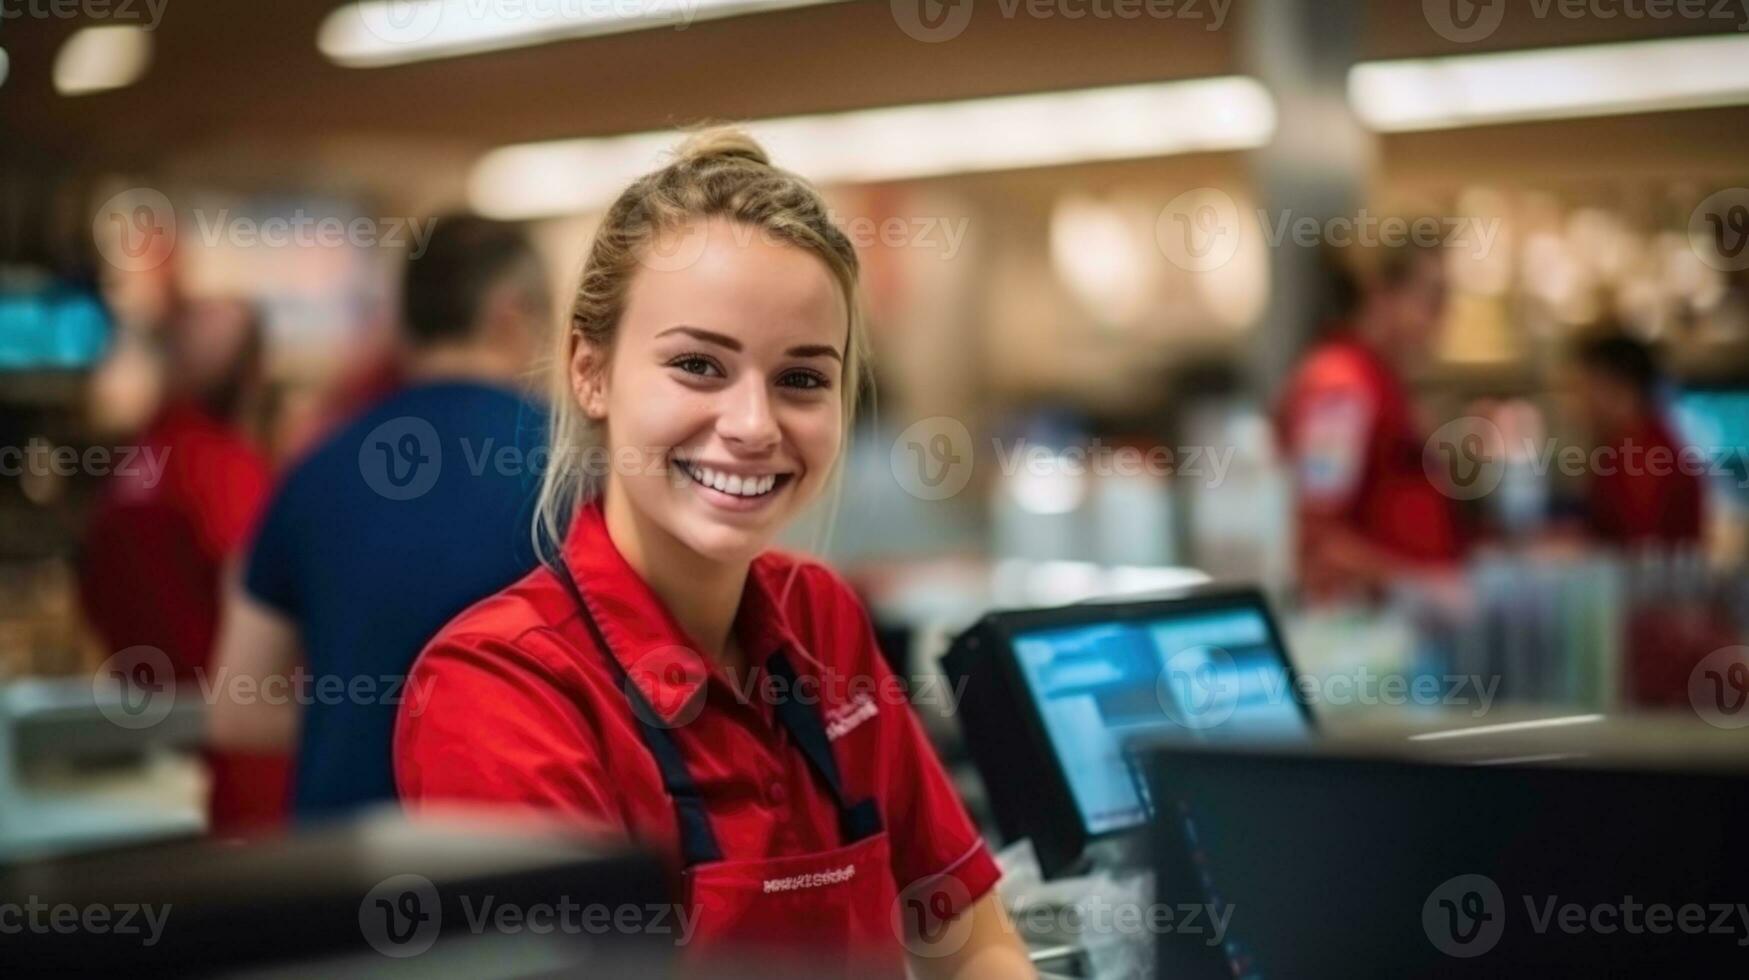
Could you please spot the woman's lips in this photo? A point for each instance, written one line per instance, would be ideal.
(696, 475)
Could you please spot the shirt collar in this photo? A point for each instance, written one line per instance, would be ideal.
(659, 659)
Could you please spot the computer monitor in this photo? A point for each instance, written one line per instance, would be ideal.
(1314, 863)
(1715, 419)
(1051, 697)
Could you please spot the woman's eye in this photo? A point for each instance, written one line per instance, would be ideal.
(804, 380)
(695, 364)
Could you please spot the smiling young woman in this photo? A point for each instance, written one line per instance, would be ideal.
(664, 675)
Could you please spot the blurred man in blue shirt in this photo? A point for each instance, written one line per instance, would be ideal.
(390, 527)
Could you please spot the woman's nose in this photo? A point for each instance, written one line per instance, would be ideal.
(747, 420)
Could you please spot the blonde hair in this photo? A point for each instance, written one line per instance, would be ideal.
(718, 172)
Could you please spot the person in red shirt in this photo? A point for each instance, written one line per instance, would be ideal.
(666, 677)
(161, 534)
(1643, 489)
(1365, 507)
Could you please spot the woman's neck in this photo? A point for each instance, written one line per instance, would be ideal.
(703, 596)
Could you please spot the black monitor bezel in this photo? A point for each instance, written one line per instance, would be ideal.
(1053, 819)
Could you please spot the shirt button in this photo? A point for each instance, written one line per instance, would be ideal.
(776, 794)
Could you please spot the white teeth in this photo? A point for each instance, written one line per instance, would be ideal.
(740, 486)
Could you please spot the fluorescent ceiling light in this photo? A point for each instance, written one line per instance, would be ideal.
(1551, 83)
(1511, 726)
(1123, 122)
(96, 59)
(373, 33)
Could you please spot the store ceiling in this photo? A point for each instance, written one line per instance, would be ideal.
(237, 81)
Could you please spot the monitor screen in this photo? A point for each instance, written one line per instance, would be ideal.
(56, 326)
(1205, 674)
(1716, 421)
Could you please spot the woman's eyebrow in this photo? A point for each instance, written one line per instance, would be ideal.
(708, 336)
(816, 350)
(726, 341)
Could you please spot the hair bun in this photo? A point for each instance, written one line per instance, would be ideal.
(721, 143)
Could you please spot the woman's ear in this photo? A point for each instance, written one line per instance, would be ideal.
(589, 377)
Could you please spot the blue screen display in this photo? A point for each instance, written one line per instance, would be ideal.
(1207, 675)
(1717, 421)
(54, 327)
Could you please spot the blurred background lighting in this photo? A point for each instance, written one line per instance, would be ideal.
(1551, 83)
(375, 33)
(5, 64)
(96, 59)
(976, 135)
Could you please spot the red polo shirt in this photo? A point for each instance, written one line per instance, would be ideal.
(1647, 493)
(155, 552)
(512, 703)
(1349, 426)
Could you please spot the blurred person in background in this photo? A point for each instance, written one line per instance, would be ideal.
(393, 524)
(1365, 508)
(159, 541)
(1640, 492)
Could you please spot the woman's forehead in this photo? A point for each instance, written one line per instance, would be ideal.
(741, 282)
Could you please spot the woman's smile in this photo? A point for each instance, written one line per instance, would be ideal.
(739, 489)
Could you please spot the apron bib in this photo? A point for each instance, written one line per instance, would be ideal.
(835, 908)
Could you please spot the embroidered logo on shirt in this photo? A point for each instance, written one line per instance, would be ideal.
(841, 721)
(818, 879)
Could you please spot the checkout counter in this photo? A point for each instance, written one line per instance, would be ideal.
(70, 780)
(1087, 735)
(1161, 755)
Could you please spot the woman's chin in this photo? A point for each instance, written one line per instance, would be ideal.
(726, 541)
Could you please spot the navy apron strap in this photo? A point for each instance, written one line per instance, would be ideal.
(698, 842)
(855, 822)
